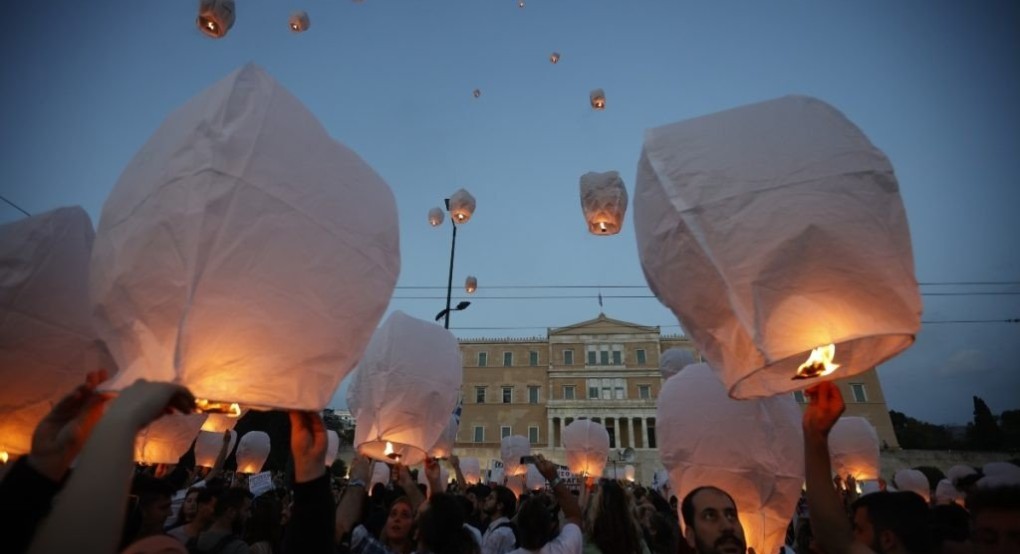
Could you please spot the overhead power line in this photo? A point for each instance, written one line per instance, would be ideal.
(644, 296)
(674, 326)
(512, 287)
(15, 206)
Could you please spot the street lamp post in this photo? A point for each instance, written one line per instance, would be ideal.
(460, 206)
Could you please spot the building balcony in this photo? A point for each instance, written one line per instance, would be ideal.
(627, 404)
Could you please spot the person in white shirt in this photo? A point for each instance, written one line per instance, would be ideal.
(538, 521)
(500, 506)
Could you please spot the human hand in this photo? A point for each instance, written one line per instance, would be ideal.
(59, 437)
(454, 461)
(404, 477)
(824, 408)
(432, 473)
(546, 468)
(145, 401)
(307, 445)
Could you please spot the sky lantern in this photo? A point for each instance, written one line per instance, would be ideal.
(472, 470)
(554, 58)
(471, 284)
(217, 263)
(47, 343)
(597, 98)
(332, 446)
(168, 438)
(443, 447)
(752, 449)
(436, 217)
(629, 473)
(959, 472)
(603, 201)
(853, 444)
(476, 93)
(673, 360)
(299, 22)
(511, 449)
(786, 214)
(913, 480)
(215, 17)
(946, 493)
(534, 478)
(218, 423)
(520, 4)
(517, 484)
(404, 390)
(587, 447)
(208, 445)
(252, 452)
(462, 206)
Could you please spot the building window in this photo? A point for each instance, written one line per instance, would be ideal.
(483, 359)
(593, 392)
(860, 395)
(604, 357)
(641, 356)
(644, 392)
(617, 357)
(568, 357)
(508, 395)
(508, 359)
(479, 433)
(592, 357)
(533, 358)
(651, 434)
(798, 395)
(504, 431)
(479, 395)
(533, 435)
(568, 392)
(532, 395)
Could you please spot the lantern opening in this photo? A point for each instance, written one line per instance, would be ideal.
(209, 24)
(389, 453)
(602, 226)
(818, 364)
(205, 406)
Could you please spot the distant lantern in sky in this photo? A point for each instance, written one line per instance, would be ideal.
(587, 446)
(471, 284)
(598, 99)
(511, 449)
(299, 22)
(603, 202)
(554, 57)
(462, 206)
(252, 452)
(436, 217)
(215, 17)
(168, 438)
(208, 445)
(476, 93)
(520, 3)
(256, 306)
(787, 213)
(853, 443)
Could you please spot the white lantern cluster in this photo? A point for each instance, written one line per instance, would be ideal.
(252, 452)
(404, 390)
(603, 202)
(216, 264)
(673, 360)
(472, 470)
(790, 220)
(597, 98)
(215, 17)
(462, 206)
(299, 22)
(208, 445)
(854, 448)
(168, 438)
(915, 481)
(587, 447)
(511, 449)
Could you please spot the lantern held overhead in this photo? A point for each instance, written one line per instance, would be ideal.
(471, 284)
(252, 452)
(299, 22)
(853, 443)
(168, 438)
(436, 217)
(587, 447)
(511, 449)
(787, 212)
(603, 202)
(462, 206)
(597, 98)
(472, 470)
(216, 263)
(208, 445)
(215, 17)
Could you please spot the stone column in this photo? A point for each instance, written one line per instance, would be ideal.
(644, 432)
(630, 432)
(549, 437)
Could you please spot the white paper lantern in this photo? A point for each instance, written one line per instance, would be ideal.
(853, 444)
(476, 93)
(380, 475)
(404, 390)
(496, 475)
(554, 57)
(443, 447)
(436, 217)
(471, 284)
(913, 480)
(603, 202)
(597, 98)
(252, 452)
(47, 344)
(629, 473)
(660, 480)
(534, 478)
(752, 449)
(444, 478)
(244, 253)
(462, 206)
(472, 470)
(208, 444)
(332, 447)
(511, 449)
(958, 472)
(517, 484)
(773, 230)
(673, 360)
(215, 17)
(999, 474)
(299, 22)
(168, 438)
(218, 423)
(946, 493)
(587, 447)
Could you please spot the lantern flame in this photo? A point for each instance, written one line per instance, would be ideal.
(818, 364)
(205, 406)
(4, 456)
(389, 453)
(602, 226)
(234, 410)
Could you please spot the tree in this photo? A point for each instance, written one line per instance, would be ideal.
(1010, 422)
(914, 434)
(984, 432)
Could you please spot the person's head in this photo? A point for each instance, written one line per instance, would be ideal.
(995, 520)
(892, 522)
(233, 508)
(501, 502)
(189, 507)
(153, 502)
(399, 520)
(477, 495)
(711, 522)
(441, 527)
(610, 523)
(663, 534)
(265, 523)
(205, 506)
(537, 521)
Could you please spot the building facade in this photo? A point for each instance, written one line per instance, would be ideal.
(603, 369)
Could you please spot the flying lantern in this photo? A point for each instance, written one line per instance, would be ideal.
(786, 214)
(629, 473)
(380, 475)
(554, 57)
(47, 344)
(332, 447)
(673, 360)
(476, 93)
(587, 447)
(471, 284)
(443, 447)
(217, 266)
(208, 445)
(218, 423)
(215, 17)
(853, 443)
(436, 217)
(462, 206)
(168, 438)
(604, 202)
(752, 449)
(598, 99)
(252, 452)
(444, 478)
(299, 22)
(404, 390)
(534, 478)
(471, 469)
(520, 3)
(511, 449)
(915, 481)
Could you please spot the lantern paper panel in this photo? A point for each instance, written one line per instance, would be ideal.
(332, 447)
(299, 22)
(946, 493)
(587, 447)
(597, 98)
(958, 472)
(404, 390)
(554, 57)
(219, 264)
(168, 438)
(443, 447)
(673, 360)
(752, 449)
(603, 202)
(208, 444)
(380, 475)
(215, 17)
(472, 470)
(511, 450)
(517, 484)
(854, 448)
(252, 452)
(471, 284)
(462, 206)
(629, 473)
(790, 221)
(218, 423)
(534, 478)
(47, 342)
(436, 217)
(913, 480)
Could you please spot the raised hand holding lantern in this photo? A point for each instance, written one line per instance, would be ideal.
(215, 17)
(511, 450)
(853, 444)
(604, 202)
(554, 58)
(587, 446)
(252, 452)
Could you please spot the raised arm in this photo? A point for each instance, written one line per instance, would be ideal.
(565, 498)
(455, 462)
(348, 512)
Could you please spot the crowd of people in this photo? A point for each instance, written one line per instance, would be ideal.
(108, 504)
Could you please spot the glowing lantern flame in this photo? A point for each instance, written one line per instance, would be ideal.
(204, 406)
(234, 410)
(602, 226)
(818, 364)
(4, 457)
(389, 453)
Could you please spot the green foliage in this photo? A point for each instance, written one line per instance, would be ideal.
(984, 433)
(914, 434)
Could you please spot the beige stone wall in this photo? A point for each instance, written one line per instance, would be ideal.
(873, 406)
